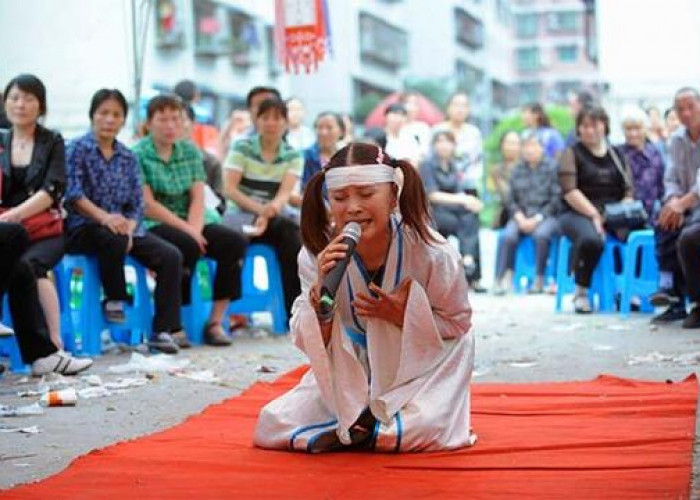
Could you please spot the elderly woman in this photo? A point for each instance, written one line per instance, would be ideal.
(591, 174)
(533, 204)
(644, 159)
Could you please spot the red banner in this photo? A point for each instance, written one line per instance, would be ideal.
(302, 33)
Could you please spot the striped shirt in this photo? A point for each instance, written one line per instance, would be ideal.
(260, 179)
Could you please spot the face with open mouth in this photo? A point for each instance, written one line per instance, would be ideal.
(369, 205)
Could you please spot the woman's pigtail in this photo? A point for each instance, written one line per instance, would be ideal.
(314, 215)
(413, 202)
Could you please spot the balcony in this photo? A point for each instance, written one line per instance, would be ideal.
(469, 30)
(382, 44)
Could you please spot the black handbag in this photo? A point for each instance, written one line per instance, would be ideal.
(624, 214)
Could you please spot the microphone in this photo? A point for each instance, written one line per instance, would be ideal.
(331, 281)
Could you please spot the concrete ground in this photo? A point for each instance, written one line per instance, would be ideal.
(519, 339)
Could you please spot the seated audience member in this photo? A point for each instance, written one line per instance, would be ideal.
(259, 176)
(509, 148)
(173, 190)
(645, 161)
(537, 121)
(34, 179)
(214, 199)
(398, 142)
(329, 132)
(533, 203)
(455, 208)
(591, 174)
(299, 136)
(17, 278)
(678, 228)
(470, 149)
(105, 202)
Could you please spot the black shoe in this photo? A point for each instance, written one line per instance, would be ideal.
(113, 311)
(693, 319)
(664, 297)
(673, 313)
(163, 342)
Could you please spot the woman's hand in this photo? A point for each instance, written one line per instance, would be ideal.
(328, 257)
(598, 225)
(12, 215)
(116, 223)
(390, 307)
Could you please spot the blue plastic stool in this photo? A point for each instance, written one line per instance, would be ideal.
(639, 244)
(526, 262)
(89, 320)
(256, 299)
(194, 315)
(8, 344)
(604, 282)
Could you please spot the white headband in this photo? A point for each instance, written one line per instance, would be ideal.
(361, 175)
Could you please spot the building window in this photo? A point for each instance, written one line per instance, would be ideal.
(502, 12)
(563, 22)
(469, 30)
(526, 25)
(501, 96)
(529, 92)
(382, 44)
(467, 77)
(246, 45)
(211, 35)
(567, 53)
(170, 31)
(528, 59)
(274, 68)
(560, 91)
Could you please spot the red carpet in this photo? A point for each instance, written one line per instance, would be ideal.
(607, 438)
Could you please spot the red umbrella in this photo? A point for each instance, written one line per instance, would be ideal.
(427, 111)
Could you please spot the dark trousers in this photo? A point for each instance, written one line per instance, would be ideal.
(283, 235)
(542, 235)
(689, 256)
(464, 225)
(667, 255)
(586, 245)
(17, 278)
(150, 251)
(224, 245)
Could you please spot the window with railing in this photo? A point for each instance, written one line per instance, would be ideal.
(526, 25)
(170, 31)
(246, 44)
(564, 22)
(467, 76)
(382, 44)
(501, 95)
(529, 92)
(528, 59)
(567, 53)
(469, 30)
(211, 34)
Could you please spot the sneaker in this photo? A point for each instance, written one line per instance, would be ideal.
(180, 338)
(60, 362)
(693, 319)
(673, 313)
(664, 297)
(163, 342)
(6, 331)
(582, 305)
(113, 311)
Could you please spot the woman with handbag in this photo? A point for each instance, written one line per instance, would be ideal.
(33, 171)
(592, 174)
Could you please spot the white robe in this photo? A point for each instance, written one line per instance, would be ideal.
(415, 379)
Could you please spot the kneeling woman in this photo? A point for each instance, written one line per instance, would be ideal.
(391, 367)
